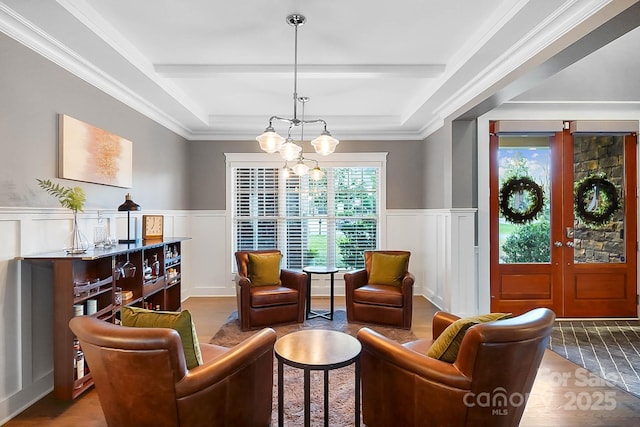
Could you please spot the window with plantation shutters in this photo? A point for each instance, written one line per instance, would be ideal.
(331, 221)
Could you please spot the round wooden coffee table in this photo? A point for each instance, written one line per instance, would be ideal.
(317, 350)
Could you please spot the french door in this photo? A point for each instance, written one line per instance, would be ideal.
(563, 222)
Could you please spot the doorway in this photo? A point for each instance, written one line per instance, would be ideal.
(563, 221)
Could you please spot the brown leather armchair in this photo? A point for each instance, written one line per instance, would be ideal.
(142, 379)
(487, 385)
(260, 306)
(381, 304)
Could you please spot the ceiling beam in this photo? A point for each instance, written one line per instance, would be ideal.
(617, 26)
(324, 71)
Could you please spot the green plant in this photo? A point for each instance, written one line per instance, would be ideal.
(528, 243)
(69, 197)
(357, 236)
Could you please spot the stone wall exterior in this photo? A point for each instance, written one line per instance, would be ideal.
(597, 154)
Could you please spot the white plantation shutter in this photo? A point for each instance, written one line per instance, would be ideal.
(256, 208)
(326, 222)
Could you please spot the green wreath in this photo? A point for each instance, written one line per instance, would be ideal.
(596, 189)
(535, 199)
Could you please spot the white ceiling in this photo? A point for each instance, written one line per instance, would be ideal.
(372, 69)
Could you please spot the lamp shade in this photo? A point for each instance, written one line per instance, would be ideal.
(316, 173)
(128, 205)
(270, 141)
(300, 168)
(290, 151)
(325, 144)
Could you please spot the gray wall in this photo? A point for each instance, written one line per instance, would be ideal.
(168, 171)
(464, 160)
(33, 91)
(405, 170)
(435, 168)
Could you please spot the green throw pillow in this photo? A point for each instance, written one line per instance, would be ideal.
(446, 346)
(264, 269)
(180, 321)
(388, 269)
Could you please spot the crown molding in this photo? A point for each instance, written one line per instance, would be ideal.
(87, 15)
(24, 32)
(568, 24)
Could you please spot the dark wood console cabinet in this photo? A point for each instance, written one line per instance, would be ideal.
(88, 282)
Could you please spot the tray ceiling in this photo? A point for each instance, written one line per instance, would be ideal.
(214, 70)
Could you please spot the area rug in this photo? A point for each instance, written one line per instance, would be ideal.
(609, 349)
(341, 381)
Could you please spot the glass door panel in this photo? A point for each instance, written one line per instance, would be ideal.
(599, 220)
(524, 162)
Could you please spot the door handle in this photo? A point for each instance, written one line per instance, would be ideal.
(570, 244)
(557, 244)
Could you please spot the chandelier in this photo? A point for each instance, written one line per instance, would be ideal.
(271, 142)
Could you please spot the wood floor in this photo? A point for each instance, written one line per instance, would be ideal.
(562, 396)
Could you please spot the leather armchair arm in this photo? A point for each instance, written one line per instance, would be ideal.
(293, 279)
(435, 373)
(289, 278)
(408, 279)
(354, 280)
(407, 284)
(231, 361)
(242, 281)
(441, 320)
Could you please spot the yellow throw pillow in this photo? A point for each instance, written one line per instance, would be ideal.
(180, 321)
(388, 269)
(264, 269)
(446, 346)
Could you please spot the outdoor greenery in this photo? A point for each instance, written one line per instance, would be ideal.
(331, 221)
(528, 243)
(354, 202)
(357, 237)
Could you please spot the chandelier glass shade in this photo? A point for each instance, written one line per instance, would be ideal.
(300, 168)
(316, 173)
(271, 142)
(290, 150)
(325, 144)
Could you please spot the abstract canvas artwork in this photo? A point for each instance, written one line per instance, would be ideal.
(90, 154)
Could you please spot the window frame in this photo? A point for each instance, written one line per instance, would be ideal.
(264, 160)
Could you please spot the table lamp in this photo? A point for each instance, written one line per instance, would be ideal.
(128, 206)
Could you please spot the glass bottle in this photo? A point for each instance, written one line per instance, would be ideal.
(147, 269)
(79, 364)
(76, 348)
(155, 267)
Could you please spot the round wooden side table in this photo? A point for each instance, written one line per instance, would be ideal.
(317, 350)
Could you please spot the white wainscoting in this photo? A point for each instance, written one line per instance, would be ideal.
(441, 241)
(26, 291)
(443, 255)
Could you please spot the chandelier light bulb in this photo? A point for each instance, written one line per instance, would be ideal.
(325, 144)
(300, 168)
(270, 141)
(290, 151)
(316, 174)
